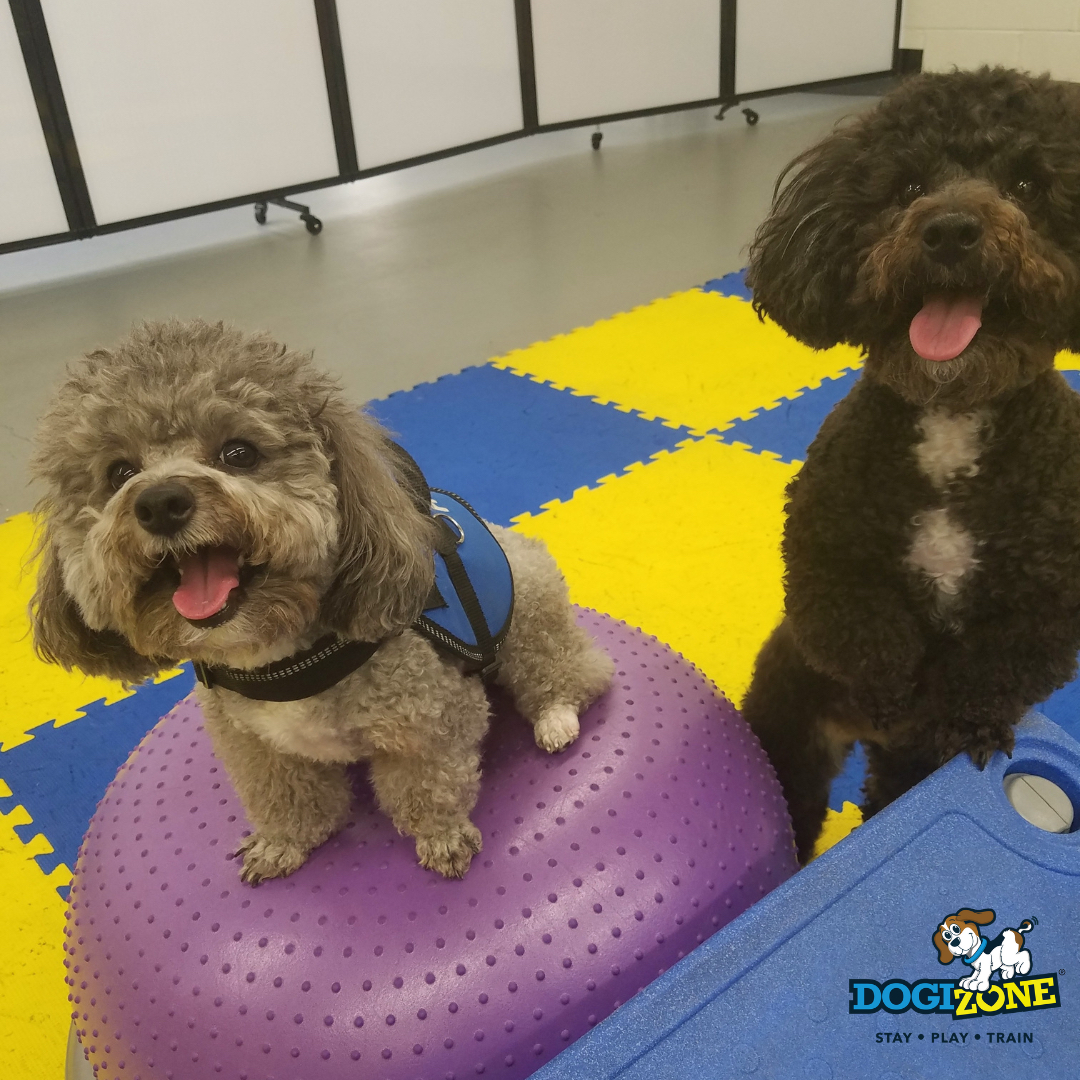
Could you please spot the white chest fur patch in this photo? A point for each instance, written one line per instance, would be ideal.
(310, 728)
(950, 445)
(941, 548)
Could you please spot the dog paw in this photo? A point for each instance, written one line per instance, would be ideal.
(450, 853)
(265, 857)
(557, 728)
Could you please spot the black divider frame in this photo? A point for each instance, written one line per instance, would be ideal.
(728, 14)
(337, 89)
(52, 110)
(526, 64)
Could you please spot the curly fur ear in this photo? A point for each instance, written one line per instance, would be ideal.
(801, 270)
(62, 637)
(386, 553)
(983, 918)
(944, 956)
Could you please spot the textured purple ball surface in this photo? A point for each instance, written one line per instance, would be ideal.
(601, 867)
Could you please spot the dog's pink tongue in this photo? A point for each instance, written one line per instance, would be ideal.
(206, 579)
(944, 327)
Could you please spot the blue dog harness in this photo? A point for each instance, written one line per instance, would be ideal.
(470, 607)
(466, 617)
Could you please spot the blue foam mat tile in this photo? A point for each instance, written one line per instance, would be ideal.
(508, 444)
(789, 428)
(733, 284)
(62, 772)
(847, 787)
(772, 994)
(1072, 378)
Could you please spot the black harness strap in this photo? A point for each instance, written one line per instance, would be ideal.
(413, 480)
(301, 675)
(446, 546)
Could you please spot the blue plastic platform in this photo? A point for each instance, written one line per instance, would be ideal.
(770, 996)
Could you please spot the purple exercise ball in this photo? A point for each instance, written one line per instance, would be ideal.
(601, 867)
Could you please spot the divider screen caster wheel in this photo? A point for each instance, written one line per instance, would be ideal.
(311, 222)
(751, 117)
(597, 137)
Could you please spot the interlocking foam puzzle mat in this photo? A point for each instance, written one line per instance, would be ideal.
(650, 451)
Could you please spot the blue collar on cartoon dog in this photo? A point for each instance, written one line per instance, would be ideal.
(978, 952)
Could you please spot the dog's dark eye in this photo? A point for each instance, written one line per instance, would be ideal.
(239, 455)
(910, 192)
(955, 929)
(1024, 189)
(120, 472)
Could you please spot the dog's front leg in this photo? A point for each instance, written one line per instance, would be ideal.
(790, 706)
(865, 637)
(979, 684)
(893, 768)
(850, 614)
(292, 803)
(429, 797)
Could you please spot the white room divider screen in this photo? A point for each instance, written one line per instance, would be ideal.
(122, 112)
(781, 42)
(599, 57)
(429, 75)
(183, 104)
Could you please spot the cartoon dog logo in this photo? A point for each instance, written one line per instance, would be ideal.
(959, 936)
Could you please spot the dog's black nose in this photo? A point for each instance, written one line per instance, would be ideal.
(164, 509)
(949, 237)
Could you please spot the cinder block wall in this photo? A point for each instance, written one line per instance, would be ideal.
(1035, 35)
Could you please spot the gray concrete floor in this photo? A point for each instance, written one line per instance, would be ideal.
(419, 273)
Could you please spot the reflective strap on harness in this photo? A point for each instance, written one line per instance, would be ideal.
(301, 675)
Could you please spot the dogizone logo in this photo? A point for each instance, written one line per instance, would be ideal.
(898, 996)
(960, 937)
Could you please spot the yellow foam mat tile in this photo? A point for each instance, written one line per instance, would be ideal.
(694, 358)
(1067, 361)
(32, 692)
(34, 1010)
(838, 823)
(685, 546)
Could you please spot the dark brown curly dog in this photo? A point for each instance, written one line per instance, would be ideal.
(932, 544)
